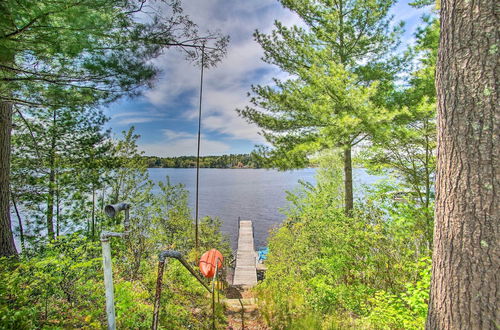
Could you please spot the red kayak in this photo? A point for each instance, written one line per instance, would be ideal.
(208, 260)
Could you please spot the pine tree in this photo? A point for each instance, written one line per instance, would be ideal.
(56, 159)
(338, 73)
(81, 53)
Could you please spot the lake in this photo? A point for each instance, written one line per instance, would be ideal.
(252, 194)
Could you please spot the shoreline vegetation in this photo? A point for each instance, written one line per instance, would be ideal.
(222, 161)
(231, 161)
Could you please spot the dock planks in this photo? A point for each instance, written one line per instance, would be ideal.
(245, 273)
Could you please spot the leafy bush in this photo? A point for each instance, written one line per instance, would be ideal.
(406, 310)
(46, 289)
(350, 272)
(60, 285)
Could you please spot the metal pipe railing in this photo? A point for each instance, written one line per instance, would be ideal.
(242, 314)
(214, 288)
(162, 257)
(177, 255)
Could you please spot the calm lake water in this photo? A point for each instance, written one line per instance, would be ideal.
(253, 194)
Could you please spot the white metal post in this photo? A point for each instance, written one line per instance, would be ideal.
(108, 283)
(111, 211)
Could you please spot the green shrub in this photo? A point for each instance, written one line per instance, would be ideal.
(46, 289)
(60, 285)
(406, 310)
(359, 272)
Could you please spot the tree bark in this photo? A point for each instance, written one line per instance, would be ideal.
(465, 284)
(7, 58)
(7, 246)
(19, 221)
(50, 204)
(348, 197)
(93, 211)
(52, 180)
(58, 207)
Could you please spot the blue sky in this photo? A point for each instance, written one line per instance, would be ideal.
(166, 116)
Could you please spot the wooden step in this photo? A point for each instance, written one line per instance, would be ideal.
(234, 305)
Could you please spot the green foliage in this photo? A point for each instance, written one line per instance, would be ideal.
(407, 221)
(405, 148)
(61, 285)
(82, 53)
(128, 177)
(340, 76)
(48, 288)
(406, 310)
(370, 270)
(339, 70)
(72, 55)
(346, 272)
(58, 159)
(224, 161)
(325, 269)
(133, 309)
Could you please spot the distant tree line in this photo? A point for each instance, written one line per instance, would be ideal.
(224, 161)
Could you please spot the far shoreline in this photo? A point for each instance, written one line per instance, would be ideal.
(233, 168)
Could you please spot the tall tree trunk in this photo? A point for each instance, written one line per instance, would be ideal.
(50, 205)
(466, 262)
(52, 181)
(7, 58)
(7, 246)
(58, 207)
(348, 197)
(93, 211)
(19, 222)
(428, 151)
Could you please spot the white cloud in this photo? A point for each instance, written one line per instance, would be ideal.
(227, 85)
(128, 114)
(175, 135)
(179, 143)
(135, 120)
(136, 117)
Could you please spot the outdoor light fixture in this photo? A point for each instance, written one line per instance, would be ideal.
(111, 211)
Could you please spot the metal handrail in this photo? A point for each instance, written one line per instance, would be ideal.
(213, 291)
(177, 255)
(162, 257)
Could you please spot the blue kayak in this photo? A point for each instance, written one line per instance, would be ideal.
(263, 253)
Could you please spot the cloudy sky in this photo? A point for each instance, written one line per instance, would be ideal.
(166, 116)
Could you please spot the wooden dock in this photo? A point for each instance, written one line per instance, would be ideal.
(245, 273)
